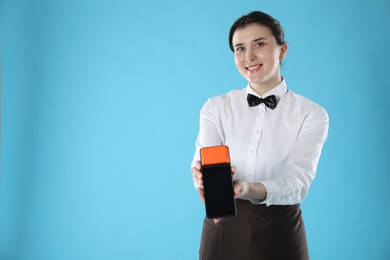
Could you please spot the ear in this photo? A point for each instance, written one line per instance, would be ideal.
(283, 51)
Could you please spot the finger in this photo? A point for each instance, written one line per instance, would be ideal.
(197, 178)
(233, 170)
(198, 183)
(195, 170)
(195, 174)
(236, 191)
(197, 165)
(201, 194)
(216, 220)
(201, 191)
(237, 188)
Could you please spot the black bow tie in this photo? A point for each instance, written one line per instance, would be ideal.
(269, 101)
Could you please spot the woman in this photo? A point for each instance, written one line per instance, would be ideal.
(275, 138)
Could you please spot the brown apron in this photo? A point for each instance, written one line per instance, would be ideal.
(256, 232)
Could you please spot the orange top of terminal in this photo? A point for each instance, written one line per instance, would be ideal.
(214, 155)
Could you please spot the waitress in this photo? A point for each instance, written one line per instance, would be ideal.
(275, 138)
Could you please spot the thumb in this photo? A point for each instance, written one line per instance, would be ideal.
(237, 188)
(197, 165)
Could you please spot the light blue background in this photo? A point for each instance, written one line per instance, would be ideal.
(100, 110)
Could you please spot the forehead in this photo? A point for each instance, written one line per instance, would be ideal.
(251, 32)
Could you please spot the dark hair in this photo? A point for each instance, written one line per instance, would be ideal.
(259, 18)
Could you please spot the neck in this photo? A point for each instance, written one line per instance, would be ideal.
(263, 88)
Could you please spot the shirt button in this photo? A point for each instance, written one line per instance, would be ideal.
(252, 151)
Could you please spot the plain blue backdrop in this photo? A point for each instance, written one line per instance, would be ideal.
(100, 110)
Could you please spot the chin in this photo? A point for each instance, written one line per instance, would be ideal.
(256, 81)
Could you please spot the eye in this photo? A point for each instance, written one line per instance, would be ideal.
(259, 44)
(239, 49)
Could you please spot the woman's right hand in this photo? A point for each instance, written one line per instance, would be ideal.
(198, 179)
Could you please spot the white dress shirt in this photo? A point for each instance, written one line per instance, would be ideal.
(279, 148)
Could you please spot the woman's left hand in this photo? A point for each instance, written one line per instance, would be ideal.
(246, 191)
(241, 189)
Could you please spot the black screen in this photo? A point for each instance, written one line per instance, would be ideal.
(218, 191)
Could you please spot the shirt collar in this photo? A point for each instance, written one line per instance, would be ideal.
(278, 91)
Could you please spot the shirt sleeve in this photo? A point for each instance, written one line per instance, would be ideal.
(210, 133)
(292, 185)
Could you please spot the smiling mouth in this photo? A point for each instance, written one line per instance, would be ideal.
(253, 68)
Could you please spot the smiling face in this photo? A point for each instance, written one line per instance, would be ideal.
(257, 56)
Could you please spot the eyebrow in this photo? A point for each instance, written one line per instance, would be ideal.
(259, 39)
(255, 40)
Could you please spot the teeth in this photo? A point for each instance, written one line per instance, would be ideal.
(253, 67)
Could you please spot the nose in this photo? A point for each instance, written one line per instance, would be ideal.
(250, 55)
